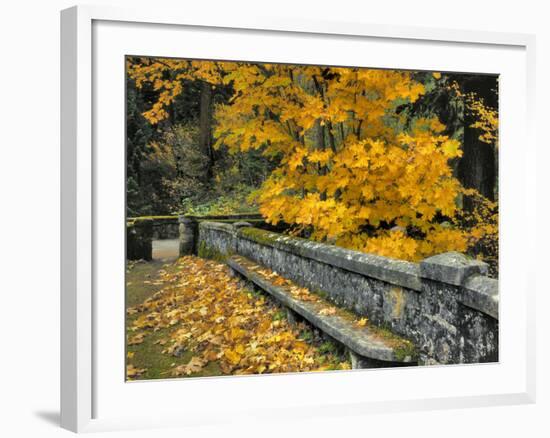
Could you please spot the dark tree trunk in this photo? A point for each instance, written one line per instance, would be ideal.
(205, 128)
(319, 136)
(477, 166)
(320, 145)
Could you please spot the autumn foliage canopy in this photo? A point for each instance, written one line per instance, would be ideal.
(353, 169)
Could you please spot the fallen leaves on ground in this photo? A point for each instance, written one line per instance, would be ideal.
(211, 314)
(195, 365)
(133, 372)
(137, 339)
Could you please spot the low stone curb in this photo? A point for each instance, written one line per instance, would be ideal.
(359, 340)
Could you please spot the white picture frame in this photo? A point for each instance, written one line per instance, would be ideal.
(80, 276)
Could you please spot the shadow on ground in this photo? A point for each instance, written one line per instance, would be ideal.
(51, 417)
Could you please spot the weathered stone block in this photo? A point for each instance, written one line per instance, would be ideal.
(451, 267)
(241, 224)
(292, 317)
(361, 362)
(139, 240)
(216, 240)
(394, 303)
(188, 230)
(481, 293)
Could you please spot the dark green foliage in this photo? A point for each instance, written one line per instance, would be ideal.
(139, 132)
(167, 169)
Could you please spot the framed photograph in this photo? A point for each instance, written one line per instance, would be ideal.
(282, 218)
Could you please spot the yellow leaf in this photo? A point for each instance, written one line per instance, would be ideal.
(136, 339)
(232, 356)
(133, 372)
(193, 366)
(327, 311)
(451, 148)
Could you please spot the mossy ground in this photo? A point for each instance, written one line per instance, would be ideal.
(140, 285)
(140, 280)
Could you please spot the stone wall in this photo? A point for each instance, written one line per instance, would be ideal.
(139, 240)
(445, 304)
(141, 231)
(164, 227)
(189, 228)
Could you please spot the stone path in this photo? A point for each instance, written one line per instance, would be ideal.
(166, 249)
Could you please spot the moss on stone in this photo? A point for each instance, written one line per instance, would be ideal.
(405, 350)
(259, 236)
(207, 252)
(142, 218)
(401, 347)
(231, 221)
(323, 294)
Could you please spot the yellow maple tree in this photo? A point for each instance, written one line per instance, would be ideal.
(351, 172)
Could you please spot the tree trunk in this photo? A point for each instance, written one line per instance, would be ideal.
(205, 128)
(477, 166)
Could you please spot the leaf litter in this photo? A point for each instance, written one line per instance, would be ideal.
(210, 314)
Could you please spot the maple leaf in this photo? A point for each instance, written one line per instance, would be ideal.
(327, 311)
(232, 356)
(136, 339)
(195, 365)
(451, 148)
(279, 281)
(133, 372)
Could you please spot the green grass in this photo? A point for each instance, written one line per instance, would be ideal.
(328, 347)
(279, 315)
(137, 273)
(149, 355)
